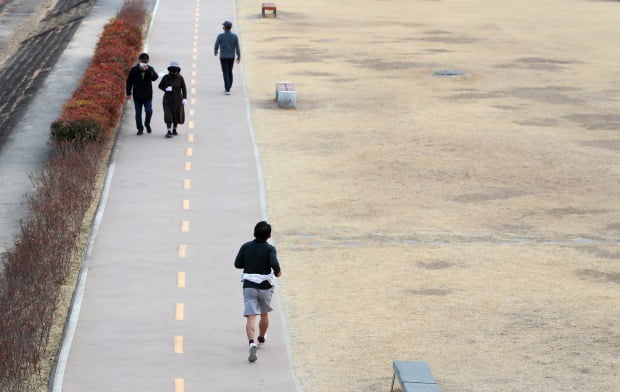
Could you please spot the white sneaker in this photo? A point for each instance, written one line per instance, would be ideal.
(261, 344)
(252, 357)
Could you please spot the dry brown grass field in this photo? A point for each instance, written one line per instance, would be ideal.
(472, 221)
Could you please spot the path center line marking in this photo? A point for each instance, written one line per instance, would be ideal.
(190, 137)
(178, 344)
(186, 204)
(188, 166)
(179, 385)
(182, 253)
(181, 280)
(186, 184)
(185, 226)
(180, 312)
(189, 152)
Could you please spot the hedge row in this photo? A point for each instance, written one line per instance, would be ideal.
(93, 111)
(39, 263)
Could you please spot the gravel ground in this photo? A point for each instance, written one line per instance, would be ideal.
(471, 221)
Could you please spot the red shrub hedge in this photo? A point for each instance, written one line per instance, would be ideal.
(39, 263)
(94, 109)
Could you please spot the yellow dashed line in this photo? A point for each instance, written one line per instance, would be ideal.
(179, 385)
(182, 251)
(190, 125)
(180, 312)
(178, 344)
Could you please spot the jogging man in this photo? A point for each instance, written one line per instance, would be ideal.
(260, 267)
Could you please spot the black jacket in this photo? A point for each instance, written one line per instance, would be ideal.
(257, 257)
(140, 82)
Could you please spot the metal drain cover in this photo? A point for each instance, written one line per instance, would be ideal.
(448, 72)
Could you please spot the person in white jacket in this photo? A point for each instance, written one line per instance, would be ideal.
(260, 265)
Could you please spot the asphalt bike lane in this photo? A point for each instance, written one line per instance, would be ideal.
(160, 308)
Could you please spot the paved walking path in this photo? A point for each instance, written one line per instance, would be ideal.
(162, 306)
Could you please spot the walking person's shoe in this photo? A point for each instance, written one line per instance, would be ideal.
(174, 132)
(168, 135)
(148, 128)
(253, 348)
(261, 342)
(139, 132)
(226, 92)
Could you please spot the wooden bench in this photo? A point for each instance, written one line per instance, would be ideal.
(269, 7)
(414, 376)
(286, 95)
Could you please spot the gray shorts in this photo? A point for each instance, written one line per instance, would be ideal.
(256, 301)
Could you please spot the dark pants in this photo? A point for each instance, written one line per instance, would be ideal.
(148, 110)
(227, 67)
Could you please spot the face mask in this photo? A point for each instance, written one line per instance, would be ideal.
(144, 65)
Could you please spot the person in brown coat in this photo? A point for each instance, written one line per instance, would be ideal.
(175, 97)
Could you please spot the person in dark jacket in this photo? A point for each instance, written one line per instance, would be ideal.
(227, 43)
(139, 84)
(175, 98)
(260, 266)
